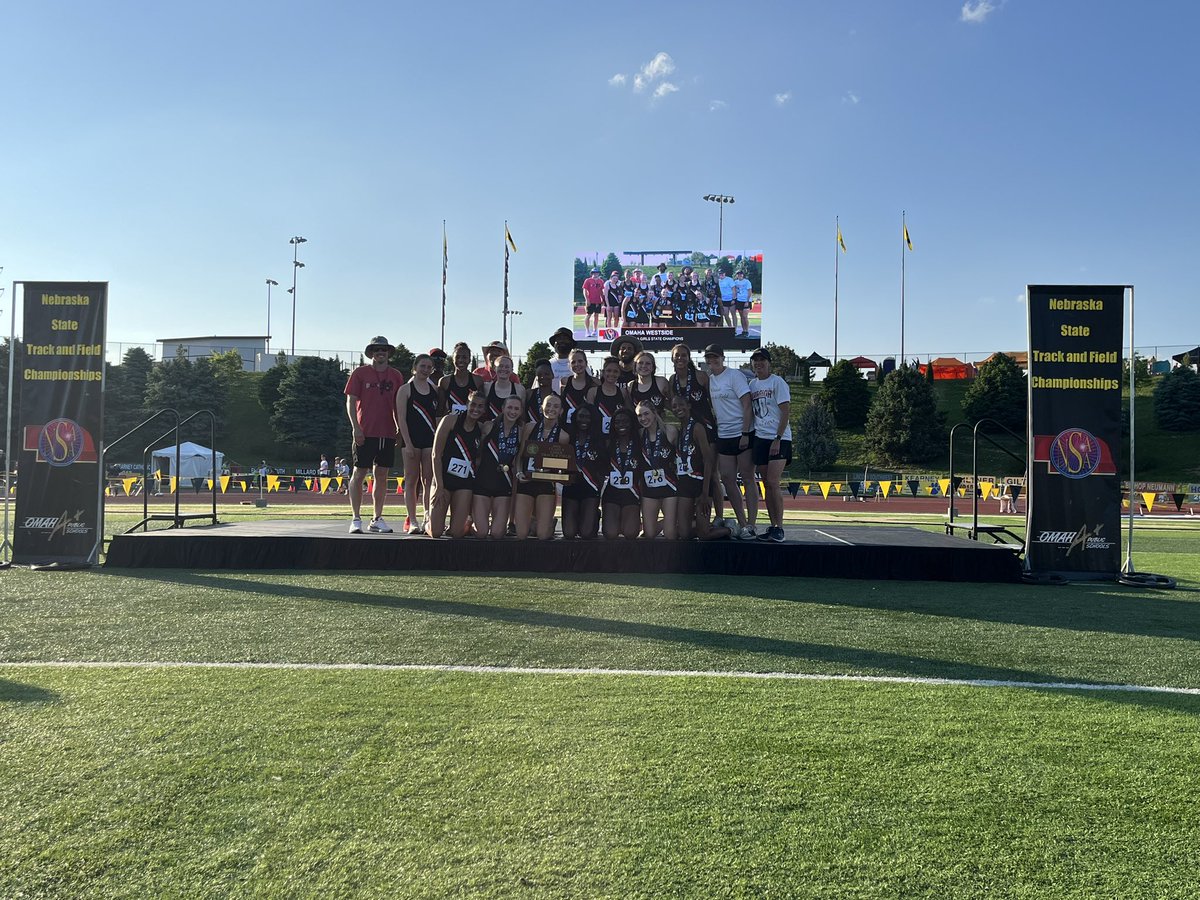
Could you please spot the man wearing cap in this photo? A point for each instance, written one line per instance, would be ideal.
(730, 393)
(371, 406)
(491, 353)
(438, 357)
(563, 342)
(593, 300)
(772, 448)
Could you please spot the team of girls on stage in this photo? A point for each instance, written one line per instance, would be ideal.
(635, 473)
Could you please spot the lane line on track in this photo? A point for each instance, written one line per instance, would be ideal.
(577, 672)
(833, 536)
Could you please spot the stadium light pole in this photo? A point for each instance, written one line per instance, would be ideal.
(720, 200)
(270, 283)
(296, 266)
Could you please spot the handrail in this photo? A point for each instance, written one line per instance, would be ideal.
(95, 555)
(177, 519)
(975, 436)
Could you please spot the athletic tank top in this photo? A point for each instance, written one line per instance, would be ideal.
(689, 462)
(462, 447)
(653, 396)
(457, 394)
(573, 397)
(607, 407)
(421, 415)
(495, 402)
(697, 395)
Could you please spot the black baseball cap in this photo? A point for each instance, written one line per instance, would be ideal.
(761, 353)
(714, 350)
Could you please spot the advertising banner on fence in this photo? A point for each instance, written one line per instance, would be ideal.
(668, 297)
(1075, 370)
(62, 408)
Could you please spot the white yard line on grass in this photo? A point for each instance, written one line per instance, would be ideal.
(642, 673)
(833, 536)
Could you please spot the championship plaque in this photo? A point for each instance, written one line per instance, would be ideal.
(552, 461)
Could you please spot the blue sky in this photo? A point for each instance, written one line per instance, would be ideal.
(172, 150)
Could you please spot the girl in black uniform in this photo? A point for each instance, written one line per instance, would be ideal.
(502, 388)
(635, 311)
(542, 387)
(455, 449)
(581, 498)
(609, 396)
(695, 459)
(455, 389)
(648, 387)
(536, 499)
(657, 473)
(494, 480)
(417, 412)
(577, 390)
(622, 501)
(688, 381)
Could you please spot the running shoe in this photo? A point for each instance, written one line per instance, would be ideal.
(408, 526)
(379, 526)
(766, 535)
(356, 526)
(777, 535)
(748, 533)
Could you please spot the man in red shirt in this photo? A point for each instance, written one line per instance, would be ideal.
(593, 299)
(371, 406)
(491, 353)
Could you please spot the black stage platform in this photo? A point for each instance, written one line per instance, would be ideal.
(833, 551)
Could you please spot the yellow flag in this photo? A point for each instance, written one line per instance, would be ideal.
(174, 483)
(841, 243)
(825, 486)
(508, 237)
(225, 483)
(127, 483)
(272, 482)
(1148, 498)
(325, 482)
(886, 487)
(986, 488)
(944, 484)
(907, 239)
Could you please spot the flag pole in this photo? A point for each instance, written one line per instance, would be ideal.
(444, 261)
(903, 237)
(836, 241)
(504, 330)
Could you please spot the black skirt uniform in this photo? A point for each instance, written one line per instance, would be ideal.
(421, 416)
(591, 454)
(657, 468)
(689, 464)
(621, 487)
(459, 455)
(496, 453)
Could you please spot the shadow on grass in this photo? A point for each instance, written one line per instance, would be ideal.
(844, 660)
(18, 692)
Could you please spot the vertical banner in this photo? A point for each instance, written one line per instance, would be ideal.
(1074, 527)
(62, 410)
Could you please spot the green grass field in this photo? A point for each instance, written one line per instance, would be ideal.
(289, 769)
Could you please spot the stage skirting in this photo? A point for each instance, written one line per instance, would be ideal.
(875, 552)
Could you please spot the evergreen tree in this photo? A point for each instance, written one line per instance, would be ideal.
(999, 392)
(1177, 400)
(904, 425)
(583, 271)
(784, 361)
(125, 394)
(847, 394)
(311, 411)
(402, 361)
(537, 350)
(187, 387)
(268, 386)
(610, 263)
(814, 443)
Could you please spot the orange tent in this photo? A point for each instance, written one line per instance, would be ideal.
(947, 368)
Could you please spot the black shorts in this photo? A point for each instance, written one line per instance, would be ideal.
(374, 452)
(762, 451)
(580, 490)
(689, 487)
(727, 303)
(533, 488)
(593, 308)
(732, 446)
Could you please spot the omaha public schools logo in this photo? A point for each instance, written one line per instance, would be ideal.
(55, 525)
(60, 442)
(1083, 539)
(1075, 453)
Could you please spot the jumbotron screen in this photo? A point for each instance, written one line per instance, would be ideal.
(667, 297)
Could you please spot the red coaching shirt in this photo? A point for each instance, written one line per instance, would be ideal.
(376, 393)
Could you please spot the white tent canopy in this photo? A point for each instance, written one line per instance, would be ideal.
(195, 461)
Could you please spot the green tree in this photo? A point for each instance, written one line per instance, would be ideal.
(402, 361)
(1177, 400)
(268, 386)
(1141, 369)
(784, 361)
(125, 395)
(847, 394)
(582, 271)
(228, 366)
(814, 442)
(311, 411)
(999, 392)
(904, 425)
(187, 387)
(611, 262)
(698, 261)
(537, 350)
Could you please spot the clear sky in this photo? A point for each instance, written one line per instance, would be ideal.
(172, 149)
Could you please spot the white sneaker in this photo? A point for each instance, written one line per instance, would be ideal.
(356, 526)
(379, 526)
(748, 533)
(719, 522)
